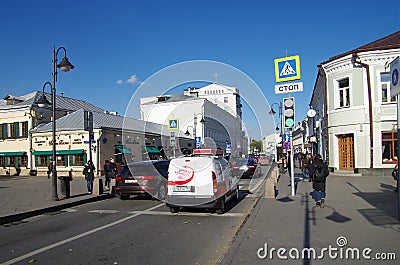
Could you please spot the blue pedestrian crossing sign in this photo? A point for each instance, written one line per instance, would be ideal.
(287, 68)
(173, 124)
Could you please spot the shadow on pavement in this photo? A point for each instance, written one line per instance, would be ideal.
(384, 205)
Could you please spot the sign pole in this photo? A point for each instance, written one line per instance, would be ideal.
(291, 164)
(398, 152)
(395, 91)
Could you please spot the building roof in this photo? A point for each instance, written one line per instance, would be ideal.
(391, 41)
(170, 98)
(62, 103)
(75, 121)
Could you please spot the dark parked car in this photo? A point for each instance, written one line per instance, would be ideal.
(142, 178)
(244, 167)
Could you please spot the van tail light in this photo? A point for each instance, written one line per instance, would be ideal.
(147, 178)
(118, 177)
(214, 179)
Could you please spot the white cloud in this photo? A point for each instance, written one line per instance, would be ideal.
(133, 80)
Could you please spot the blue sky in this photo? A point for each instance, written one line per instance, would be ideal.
(116, 45)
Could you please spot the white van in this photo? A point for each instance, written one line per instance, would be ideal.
(204, 180)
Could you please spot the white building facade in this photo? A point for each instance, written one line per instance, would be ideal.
(356, 117)
(199, 119)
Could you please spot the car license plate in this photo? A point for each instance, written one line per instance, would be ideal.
(182, 188)
(130, 181)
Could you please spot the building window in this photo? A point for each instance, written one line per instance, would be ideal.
(42, 161)
(385, 86)
(24, 129)
(389, 147)
(78, 160)
(24, 161)
(225, 99)
(344, 92)
(12, 130)
(61, 160)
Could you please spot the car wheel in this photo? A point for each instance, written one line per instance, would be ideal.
(161, 192)
(173, 209)
(221, 210)
(123, 197)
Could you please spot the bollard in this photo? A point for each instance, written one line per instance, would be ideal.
(112, 186)
(274, 175)
(277, 174)
(98, 186)
(269, 188)
(65, 186)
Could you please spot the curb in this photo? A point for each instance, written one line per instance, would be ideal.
(236, 241)
(24, 215)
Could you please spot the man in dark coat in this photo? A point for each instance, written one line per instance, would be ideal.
(319, 171)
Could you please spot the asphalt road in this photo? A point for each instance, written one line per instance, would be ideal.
(135, 231)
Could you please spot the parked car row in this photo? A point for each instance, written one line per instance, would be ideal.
(182, 181)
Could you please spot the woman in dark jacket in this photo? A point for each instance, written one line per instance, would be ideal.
(88, 171)
(319, 171)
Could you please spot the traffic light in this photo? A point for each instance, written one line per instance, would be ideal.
(288, 113)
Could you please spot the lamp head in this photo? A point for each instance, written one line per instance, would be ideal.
(42, 102)
(65, 65)
(272, 112)
(202, 120)
(187, 133)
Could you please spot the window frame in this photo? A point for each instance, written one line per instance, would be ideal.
(393, 99)
(343, 92)
(393, 141)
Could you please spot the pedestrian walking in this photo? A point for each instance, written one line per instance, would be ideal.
(110, 170)
(17, 169)
(306, 164)
(395, 175)
(319, 172)
(88, 171)
(49, 168)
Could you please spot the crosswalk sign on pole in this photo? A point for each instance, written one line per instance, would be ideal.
(287, 68)
(173, 124)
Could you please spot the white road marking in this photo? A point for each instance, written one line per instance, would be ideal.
(189, 214)
(65, 241)
(70, 210)
(104, 211)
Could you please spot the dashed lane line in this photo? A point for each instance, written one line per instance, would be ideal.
(65, 241)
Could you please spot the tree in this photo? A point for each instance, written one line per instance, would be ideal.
(257, 144)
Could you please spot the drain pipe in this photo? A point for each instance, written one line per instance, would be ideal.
(356, 60)
(325, 115)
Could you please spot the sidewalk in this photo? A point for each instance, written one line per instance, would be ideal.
(359, 210)
(26, 196)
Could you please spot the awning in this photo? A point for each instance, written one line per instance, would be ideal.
(12, 153)
(152, 150)
(122, 149)
(59, 152)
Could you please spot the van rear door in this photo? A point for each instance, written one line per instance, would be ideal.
(191, 176)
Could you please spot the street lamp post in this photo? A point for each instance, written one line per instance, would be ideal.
(273, 112)
(65, 66)
(187, 133)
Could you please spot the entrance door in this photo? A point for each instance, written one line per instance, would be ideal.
(346, 152)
